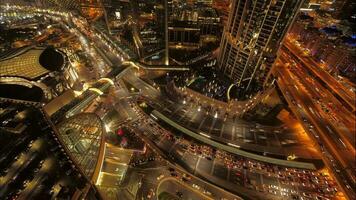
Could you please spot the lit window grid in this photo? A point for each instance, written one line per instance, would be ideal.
(90, 130)
(26, 65)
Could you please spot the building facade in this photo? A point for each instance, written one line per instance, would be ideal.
(329, 45)
(252, 37)
(188, 27)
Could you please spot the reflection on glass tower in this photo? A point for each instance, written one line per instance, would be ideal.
(252, 37)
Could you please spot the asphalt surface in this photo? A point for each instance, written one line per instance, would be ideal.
(324, 135)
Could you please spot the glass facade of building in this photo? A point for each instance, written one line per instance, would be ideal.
(252, 37)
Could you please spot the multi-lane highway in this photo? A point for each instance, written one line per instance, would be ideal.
(256, 180)
(213, 166)
(345, 94)
(245, 176)
(302, 94)
(275, 141)
(329, 107)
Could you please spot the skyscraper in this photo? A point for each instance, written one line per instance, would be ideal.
(252, 37)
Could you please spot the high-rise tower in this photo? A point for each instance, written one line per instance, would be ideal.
(252, 37)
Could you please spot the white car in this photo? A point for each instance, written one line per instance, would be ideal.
(160, 177)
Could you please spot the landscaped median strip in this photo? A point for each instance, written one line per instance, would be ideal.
(232, 148)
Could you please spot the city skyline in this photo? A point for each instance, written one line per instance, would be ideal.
(179, 99)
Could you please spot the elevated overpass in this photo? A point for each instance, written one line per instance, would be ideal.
(232, 149)
(86, 98)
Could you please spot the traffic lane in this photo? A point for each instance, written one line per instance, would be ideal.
(123, 103)
(170, 104)
(318, 122)
(219, 170)
(145, 87)
(250, 135)
(320, 73)
(341, 112)
(292, 90)
(156, 176)
(248, 138)
(206, 174)
(108, 52)
(324, 75)
(314, 93)
(180, 189)
(219, 174)
(208, 118)
(34, 185)
(124, 109)
(323, 125)
(347, 117)
(261, 136)
(210, 113)
(190, 109)
(190, 161)
(210, 187)
(330, 97)
(340, 175)
(134, 80)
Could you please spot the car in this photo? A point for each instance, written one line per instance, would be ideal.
(37, 169)
(4, 172)
(31, 143)
(16, 194)
(179, 194)
(5, 122)
(68, 172)
(196, 186)
(41, 162)
(17, 157)
(25, 183)
(150, 194)
(160, 177)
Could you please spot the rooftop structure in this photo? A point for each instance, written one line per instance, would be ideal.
(83, 136)
(30, 67)
(24, 65)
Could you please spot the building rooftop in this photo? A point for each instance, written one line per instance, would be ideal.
(31, 63)
(25, 65)
(82, 135)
